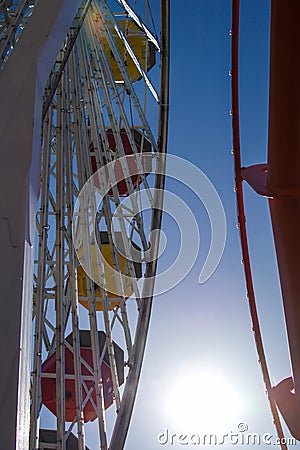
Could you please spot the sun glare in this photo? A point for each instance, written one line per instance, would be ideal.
(202, 401)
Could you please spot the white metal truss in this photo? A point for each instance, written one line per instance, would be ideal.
(14, 16)
(99, 92)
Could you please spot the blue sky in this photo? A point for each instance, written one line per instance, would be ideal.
(206, 328)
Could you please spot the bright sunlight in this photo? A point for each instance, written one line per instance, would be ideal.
(202, 401)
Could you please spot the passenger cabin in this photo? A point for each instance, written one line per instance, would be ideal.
(113, 290)
(48, 383)
(142, 146)
(143, 49)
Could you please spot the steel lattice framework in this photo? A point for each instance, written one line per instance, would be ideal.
(14, 16)
(99, 102)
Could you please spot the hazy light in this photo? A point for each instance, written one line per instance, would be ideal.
(202, 401)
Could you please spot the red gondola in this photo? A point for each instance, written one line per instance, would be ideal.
(142, 145)
(49, 382)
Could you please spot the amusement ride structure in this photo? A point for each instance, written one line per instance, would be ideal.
(278, 180)
(83, 131)
(80, 72)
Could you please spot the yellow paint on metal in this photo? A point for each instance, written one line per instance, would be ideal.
(109, 275)
(138, 42)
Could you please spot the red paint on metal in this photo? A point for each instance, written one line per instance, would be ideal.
(284, 165)
(49, 385)
(132, 165)
(242, 218)
(256, 177)
(286, 401)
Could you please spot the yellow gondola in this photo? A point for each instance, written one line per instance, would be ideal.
(140, 45)
(112, 290)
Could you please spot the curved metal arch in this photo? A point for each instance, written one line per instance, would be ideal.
(125, 413)
(242, 219)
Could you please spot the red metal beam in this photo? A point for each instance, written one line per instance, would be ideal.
(283, 177)
(242, 218)
(257, 175)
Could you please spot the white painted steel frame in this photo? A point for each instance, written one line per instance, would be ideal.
(21, 101)
(14, 17)
(86, 103)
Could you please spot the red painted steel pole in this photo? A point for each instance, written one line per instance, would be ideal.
(283, 178)
(242, 220)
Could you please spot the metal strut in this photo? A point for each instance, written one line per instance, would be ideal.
(56, 75)
(124, 415)
(242, 220)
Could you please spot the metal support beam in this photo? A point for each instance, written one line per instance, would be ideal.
(124, 415)
(283, 181)
(21, 88)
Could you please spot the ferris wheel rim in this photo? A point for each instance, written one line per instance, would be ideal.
(124, 415)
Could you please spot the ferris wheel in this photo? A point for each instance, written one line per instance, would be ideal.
(104, 136)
